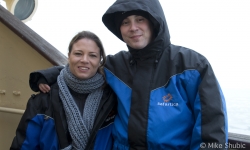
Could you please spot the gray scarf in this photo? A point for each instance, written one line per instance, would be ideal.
(79, 127)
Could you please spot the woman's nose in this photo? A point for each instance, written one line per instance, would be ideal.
(84, 59)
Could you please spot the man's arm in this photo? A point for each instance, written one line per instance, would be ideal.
(209, 108)
(47, 76)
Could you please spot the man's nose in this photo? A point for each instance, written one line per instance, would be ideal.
(133, 26)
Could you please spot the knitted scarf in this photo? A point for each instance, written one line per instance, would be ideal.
(79, 127)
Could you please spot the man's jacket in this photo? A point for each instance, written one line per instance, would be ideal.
(168, 95)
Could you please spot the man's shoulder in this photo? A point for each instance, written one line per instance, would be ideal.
(185, 52)
(119, 59)
(120, 54)
(187, 58)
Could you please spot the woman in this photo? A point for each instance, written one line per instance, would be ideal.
(78, 112)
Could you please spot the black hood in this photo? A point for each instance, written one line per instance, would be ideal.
(153, 7)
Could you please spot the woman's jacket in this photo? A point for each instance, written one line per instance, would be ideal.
(44, 126)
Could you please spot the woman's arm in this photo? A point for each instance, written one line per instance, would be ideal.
(36, 129)
(25, 137)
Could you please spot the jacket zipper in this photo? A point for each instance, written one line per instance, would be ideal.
(100, 122)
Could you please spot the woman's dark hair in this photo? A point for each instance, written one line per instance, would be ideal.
(91, 36)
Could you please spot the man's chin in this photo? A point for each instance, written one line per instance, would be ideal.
(137, 46)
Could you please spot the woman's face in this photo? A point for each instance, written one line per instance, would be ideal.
(84, 59)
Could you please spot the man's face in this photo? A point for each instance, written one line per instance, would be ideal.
(136, 31)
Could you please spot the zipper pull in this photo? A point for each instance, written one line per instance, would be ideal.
(156, 63)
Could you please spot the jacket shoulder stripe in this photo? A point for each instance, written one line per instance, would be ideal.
(172, 77)
(109, 73)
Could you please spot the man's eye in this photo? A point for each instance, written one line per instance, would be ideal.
(140, 19)
(124, 22)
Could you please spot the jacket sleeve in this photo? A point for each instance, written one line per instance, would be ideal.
(48, 76)
(209, 108)
(36, 130)
(21, 139)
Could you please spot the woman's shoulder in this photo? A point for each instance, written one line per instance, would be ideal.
(39, 102)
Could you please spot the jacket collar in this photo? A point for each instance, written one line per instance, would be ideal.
(151, 51)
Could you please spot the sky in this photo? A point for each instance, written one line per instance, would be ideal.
(219, 30)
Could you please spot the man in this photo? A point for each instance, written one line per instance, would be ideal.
(168, 96)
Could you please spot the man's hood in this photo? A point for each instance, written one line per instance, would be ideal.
(153, 7)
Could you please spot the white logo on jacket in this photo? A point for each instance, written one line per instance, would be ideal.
(166, 101)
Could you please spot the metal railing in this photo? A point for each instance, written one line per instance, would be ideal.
(11, 110)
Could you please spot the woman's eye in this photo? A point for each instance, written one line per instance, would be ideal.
(78, 54)
(92, 55)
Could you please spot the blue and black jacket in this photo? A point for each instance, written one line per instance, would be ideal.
(43, 125)
(168, 95)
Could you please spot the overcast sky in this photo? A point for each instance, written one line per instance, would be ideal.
(218, 29)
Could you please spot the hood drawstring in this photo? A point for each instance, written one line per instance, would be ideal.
(156, 63)
(157, 58)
